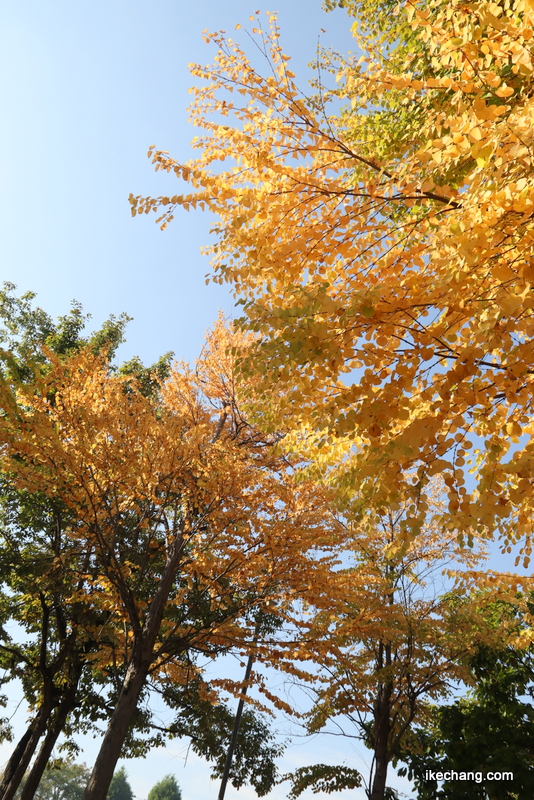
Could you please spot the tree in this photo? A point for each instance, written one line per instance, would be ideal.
(192, 518)
(166, 789)
(81, 689)
(396, 638)
(209, 728)
(391, 288)
(489, 730)
(40, 573)
(24, 329)
(40, 570)
(43, 570)
(62, 780)
(119, 788)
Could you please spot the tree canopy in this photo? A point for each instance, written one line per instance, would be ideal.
(119, 788)
(166, 789)
(387, 271)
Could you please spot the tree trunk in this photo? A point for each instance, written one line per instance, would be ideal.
(134, 681)
(67, 704)
(380, 775)
(382, 721)
(235, 731)
(117, 730)
(23, 752)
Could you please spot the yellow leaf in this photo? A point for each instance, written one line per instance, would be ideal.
(510, 304)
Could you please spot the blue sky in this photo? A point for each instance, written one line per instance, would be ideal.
(87, 87)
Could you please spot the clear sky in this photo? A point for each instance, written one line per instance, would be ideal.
(86, 87)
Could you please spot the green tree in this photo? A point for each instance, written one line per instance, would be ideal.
(166, 789)
(119, 788)
(489, 730)
(63, 780)
(40, 569)
(25, 328)
(39, 575)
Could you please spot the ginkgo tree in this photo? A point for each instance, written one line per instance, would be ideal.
(389, 277)
(393, 629)
(190, 516)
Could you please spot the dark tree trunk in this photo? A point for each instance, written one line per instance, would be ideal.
(134, 681)
(381, 769)
(235, 731)
(67, 704)
(382, 729)
(381, 744)
(23, 752)
(117, 729)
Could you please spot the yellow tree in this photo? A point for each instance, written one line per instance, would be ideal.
(393, 631)
(190, 517)
(46, 635)
(390, 286)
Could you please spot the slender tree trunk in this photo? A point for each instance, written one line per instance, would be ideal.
(380, 775)
(67, 704)
(235, 731)
(381, 741)
(23, 752)
(382, 707)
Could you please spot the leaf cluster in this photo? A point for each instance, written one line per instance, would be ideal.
(322, 778)
(489, 730)
(209, 728)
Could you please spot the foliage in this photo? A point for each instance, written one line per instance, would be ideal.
(85, 424)
(322, 778)
(166, 789)
(380, 27)
(119, 788)
(390, 285)
(43, 570)
(492, 729)
(148, 379)
(165, 492)
(52, 575)
(62, 780)
(39, 568)
(210, 727)
(24, 329)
